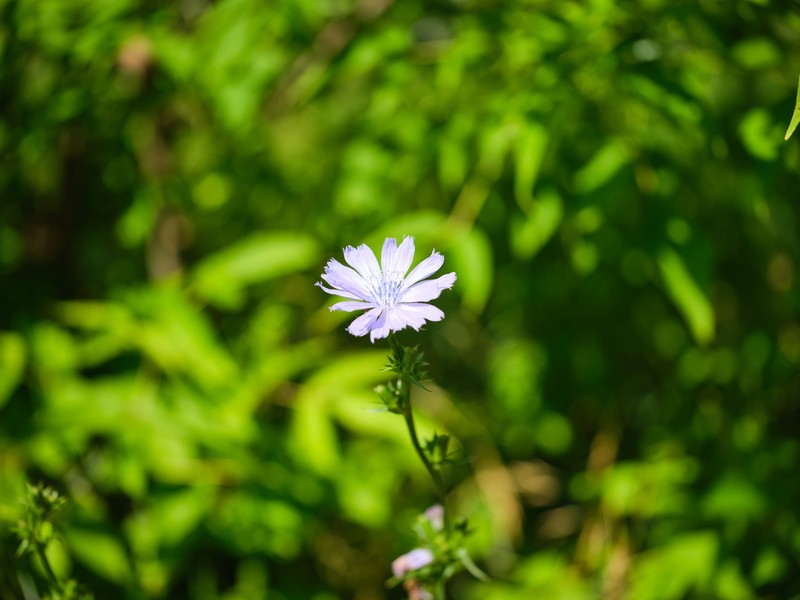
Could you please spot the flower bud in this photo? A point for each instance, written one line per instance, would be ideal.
(435, 515)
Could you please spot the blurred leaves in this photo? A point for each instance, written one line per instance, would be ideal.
(222, 277)
(684, 565)
(101, 553)
(619, 356)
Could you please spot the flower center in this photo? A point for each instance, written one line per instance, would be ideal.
(385, 288)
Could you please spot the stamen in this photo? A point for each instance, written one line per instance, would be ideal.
(385, 288)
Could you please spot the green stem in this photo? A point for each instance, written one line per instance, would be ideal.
(405, 383)
(439, 592)
(408, 414)
(47, 568)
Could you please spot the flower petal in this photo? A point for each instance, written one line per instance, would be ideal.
(388, 254)
(412, 318)
(363, 260)
(396, 260)
(397, 320)
(345, 278)
(381, 328)
(350, 306)
(428, 290)
(411, 561)
(341, 293)
(363, 324)
(426, 268)
(422, 310)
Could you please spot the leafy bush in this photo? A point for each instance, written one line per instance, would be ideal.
(620, 353)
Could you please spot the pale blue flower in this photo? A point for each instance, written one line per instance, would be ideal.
(392, 299)
(411, 561)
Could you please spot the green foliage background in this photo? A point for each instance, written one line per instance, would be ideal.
(620, 354)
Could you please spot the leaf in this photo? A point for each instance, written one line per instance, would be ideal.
(548, 575)
(528, 157)
(222, 277)
(687, 296)
(352, 371)
(759, 134)
(674, 570)
(53, 348)
(529, 235)
(606, 163)
(453, 162)
(756, 53)
(473, 262)
(180, 339)
(133, 227)
(12, 364)
(734, 498)
(470, 566)
(730, 584)
(795, 116)
(102, 553)
(313, 439)
(178, 514)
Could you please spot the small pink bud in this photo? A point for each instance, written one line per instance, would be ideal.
(435, 514)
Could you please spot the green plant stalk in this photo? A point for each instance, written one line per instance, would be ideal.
(439, 592)
(408, 415)
(47, 568)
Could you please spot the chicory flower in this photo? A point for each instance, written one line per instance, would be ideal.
(392, 297)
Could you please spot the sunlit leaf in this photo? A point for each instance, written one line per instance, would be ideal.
(734, 498)
(179, 514)
(473, 262)
(756, 53)
(222, 277)
(795, 116)
(759, 134)
(606, 163)
(12, 363)
(102, 553)
(313, 439)
(676, 569)
(689, 299)
(731, 584)
(528, 156)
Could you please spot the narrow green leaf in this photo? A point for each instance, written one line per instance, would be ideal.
(528, 157)
(606, 163)
(795, 116)
(474, 262)
(687, 296)
(470, 566)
